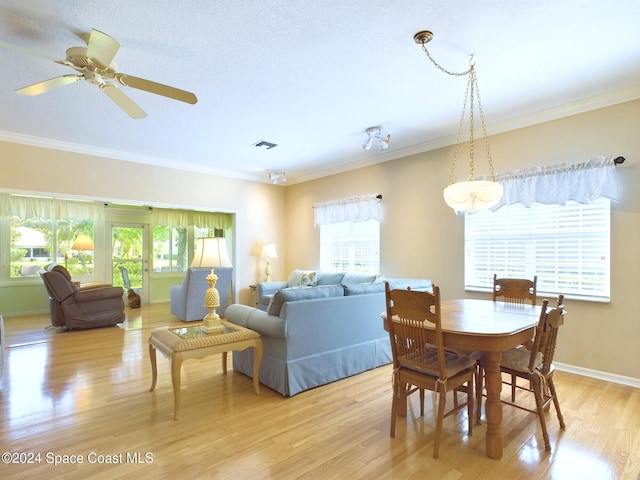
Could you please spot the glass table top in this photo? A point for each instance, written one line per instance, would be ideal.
(197, 332)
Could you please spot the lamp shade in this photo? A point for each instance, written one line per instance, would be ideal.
(269, 251)
(211, 252)
(472, 195)
(82, 243)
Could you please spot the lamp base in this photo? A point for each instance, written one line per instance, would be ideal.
(212, 325)
(211, 302)
(267, 269)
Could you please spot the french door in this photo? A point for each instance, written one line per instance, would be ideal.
(130, 258)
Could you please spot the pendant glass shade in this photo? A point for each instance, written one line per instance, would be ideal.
(472, 195)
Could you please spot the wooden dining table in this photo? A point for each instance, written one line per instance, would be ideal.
(491, 328)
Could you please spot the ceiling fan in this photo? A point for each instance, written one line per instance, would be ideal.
(94, 64)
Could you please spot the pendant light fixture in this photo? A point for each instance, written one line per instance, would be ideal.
(470, 195)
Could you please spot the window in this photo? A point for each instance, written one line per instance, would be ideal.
(566, 246)
(38, 242)
(38, 230)
(350, 246)
(170, 253)
(350, 233)
(175, 233)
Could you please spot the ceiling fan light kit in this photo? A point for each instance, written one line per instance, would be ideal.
(470, 195)
(95, 64)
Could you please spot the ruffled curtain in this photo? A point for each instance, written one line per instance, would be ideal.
(184, 218)
(24, 206)
(354, 209)
(582, 182)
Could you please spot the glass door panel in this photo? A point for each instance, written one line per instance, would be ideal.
(129, 258)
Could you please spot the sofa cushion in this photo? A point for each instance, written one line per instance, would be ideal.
(362, 288)
(302, 293)
(421, 284)
(330, 278)
(350, 278)
(302, 278)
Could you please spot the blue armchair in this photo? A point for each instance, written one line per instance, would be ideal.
(187, 300)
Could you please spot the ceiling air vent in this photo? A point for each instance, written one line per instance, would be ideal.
(264, 143)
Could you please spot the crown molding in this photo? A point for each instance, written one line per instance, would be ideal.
(629, 93)
(626, 94)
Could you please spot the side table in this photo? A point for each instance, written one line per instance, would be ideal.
(182, 343)
(254, 296)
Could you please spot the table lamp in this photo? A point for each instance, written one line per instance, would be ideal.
(211, 252)
(82, 243)
(268, 252)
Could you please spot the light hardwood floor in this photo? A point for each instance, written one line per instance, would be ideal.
(86, 394)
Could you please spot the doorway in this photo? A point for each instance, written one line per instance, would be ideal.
(130, 252)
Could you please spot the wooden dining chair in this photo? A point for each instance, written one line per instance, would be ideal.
(420, 361)
(515, 290)
(536, 366)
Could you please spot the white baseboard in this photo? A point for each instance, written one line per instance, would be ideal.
(609, 377)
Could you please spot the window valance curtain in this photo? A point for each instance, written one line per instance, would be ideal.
(184, 218)
(353, 209)
(46, 208)
(582, 182)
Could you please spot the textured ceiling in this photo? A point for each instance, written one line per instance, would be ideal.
(310, 75)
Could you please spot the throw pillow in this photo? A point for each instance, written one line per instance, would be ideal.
(302, 278)
(308, 279)
(330, 278)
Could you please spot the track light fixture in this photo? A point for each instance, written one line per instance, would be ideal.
(277, 177)
(376, 133)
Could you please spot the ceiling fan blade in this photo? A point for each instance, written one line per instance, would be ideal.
(122, 100)
(157, 88)
(17, 48)
(45, 86)
(101, 48)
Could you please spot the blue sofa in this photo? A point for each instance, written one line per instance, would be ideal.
(187, 300)
(316, 335)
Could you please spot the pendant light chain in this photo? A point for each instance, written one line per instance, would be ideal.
(484, 127)
(459, 136)
(472, 92)
(440, 67)
(470, 195)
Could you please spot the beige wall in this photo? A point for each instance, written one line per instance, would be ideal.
(422, 237)
(258, 206)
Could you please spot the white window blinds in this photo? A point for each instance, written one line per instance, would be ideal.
(553, 222)
(350, 247)
(566, 246)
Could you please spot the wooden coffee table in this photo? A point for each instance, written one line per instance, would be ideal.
(180, 343)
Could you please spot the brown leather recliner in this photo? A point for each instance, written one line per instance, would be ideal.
(80, 308)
